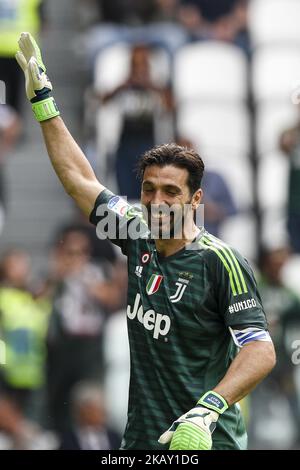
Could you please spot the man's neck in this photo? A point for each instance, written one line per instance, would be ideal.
(171, 246)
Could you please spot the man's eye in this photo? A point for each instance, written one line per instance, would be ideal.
(148, 190)
(172, 193)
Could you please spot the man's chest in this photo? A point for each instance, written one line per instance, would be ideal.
(170, 294)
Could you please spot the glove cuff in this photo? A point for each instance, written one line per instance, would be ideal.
(45, 109)
(213, 401)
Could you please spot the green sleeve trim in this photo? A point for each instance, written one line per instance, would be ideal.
(219, 254)
(46, 109)
(213, 401)
(235, 262)
(230, 262)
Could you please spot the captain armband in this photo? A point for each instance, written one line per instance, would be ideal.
(247, 335)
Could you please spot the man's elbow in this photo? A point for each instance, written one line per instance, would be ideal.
(265, 355)
(270, 356)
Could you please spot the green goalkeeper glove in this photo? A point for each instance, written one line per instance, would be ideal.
(37, 84)
(193, 430)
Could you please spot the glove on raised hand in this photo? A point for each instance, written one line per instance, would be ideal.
(37, 84)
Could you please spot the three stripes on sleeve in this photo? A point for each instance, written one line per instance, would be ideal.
(238, 287)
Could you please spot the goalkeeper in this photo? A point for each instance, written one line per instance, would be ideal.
(197, 329)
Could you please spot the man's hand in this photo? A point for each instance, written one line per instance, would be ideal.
(30, 49)
(193, 430)
(37, 84)
(30, 60)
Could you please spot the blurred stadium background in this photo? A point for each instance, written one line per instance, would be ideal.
(220, 75)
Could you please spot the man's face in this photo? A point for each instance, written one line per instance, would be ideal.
(74, 253)
(164, 188)
(17, 269)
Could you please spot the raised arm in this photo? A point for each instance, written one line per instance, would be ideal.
(71, 165)
(69, 162)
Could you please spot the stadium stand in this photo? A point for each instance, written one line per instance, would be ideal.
(274, 22)
(276, 71)
(221, 71)
(272, 118)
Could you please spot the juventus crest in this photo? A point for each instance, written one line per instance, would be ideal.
(181, 286)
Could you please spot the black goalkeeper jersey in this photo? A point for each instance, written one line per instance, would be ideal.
(179, 312)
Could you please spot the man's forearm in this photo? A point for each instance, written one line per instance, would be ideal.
(70, 164)
(254, 361)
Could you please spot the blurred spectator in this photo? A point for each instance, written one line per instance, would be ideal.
(169, 24)
(127, 11)
(211, 10)
(82, 299)
(151, 22)
(10, 126)
(217, 198)
(220, 20)
(290, 145)
(142, 105)
(282, 304)
(167, 10)
(15, 17)
(87, 13)
(133, 12)
(282, 308)
(23, 327)
(89, 430)
(240, 19)
(136, 12)
(102, 251)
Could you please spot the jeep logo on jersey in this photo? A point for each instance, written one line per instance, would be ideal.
(160, 324)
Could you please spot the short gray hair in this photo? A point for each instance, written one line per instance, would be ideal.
(86, 392)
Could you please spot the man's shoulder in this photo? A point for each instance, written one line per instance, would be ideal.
(218, 252)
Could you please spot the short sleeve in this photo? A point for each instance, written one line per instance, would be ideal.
(117, 220)
(235, 286)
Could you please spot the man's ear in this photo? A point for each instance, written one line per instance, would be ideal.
(197, 198)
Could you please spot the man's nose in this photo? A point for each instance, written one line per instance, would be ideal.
(157, 198)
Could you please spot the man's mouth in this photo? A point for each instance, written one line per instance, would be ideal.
(159, 216)
(159, 213)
